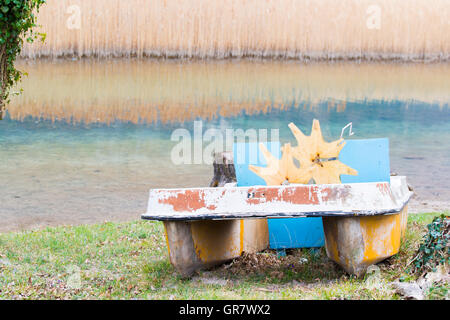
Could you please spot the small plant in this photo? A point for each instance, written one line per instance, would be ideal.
(17, 20)
(438, 292)
(434, 249)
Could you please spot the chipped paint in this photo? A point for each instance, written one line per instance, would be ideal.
(179, 203)
(381, 236)
(358, 242)
(354, 199)
(384, 189)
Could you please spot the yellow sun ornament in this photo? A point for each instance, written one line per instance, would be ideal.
(318, 160)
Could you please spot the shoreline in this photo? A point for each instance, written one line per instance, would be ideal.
(304, 58)
(337, 57)
(27, 223)
(425, 206)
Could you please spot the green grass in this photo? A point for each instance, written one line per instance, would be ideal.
(130, 261)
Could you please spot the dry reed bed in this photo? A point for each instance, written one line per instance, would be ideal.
(319, 29)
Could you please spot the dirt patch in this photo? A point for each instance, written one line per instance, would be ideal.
(250, 263)
(296, 264)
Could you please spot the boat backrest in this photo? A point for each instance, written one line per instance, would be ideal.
(370, 157)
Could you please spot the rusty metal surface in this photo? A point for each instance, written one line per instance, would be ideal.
(334, 200)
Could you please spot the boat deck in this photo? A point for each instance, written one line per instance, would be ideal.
(231, 202)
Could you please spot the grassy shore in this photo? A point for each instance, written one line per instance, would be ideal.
(130, 261)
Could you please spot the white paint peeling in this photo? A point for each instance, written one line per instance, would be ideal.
(230, 202)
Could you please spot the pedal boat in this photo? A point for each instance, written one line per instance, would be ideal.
(363, 222)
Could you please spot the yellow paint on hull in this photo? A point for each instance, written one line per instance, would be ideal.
(381, 237)
(358, 242)
(216, 241)
(167, 241)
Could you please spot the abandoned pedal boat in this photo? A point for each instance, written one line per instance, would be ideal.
(363, 222)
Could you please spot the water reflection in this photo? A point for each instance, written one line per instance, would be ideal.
(143, 91)
(74, 147)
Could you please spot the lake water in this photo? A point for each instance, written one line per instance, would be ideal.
(87, 139)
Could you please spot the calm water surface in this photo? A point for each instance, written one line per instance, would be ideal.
(88, 139)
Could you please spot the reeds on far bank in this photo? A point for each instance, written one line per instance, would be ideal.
(301, 29)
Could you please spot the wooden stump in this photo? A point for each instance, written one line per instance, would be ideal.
(223, 169)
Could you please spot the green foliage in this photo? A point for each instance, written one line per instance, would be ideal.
(438, 292)
(434, 249)
(17, 20)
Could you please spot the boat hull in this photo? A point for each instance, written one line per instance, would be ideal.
(196, 245)
(363, 222)
(355, 243)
